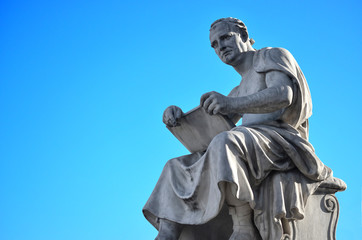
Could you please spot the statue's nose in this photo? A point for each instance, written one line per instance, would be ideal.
(221, 46)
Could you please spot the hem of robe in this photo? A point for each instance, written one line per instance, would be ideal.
(153, 218)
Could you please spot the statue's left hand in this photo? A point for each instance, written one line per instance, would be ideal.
(214, 102)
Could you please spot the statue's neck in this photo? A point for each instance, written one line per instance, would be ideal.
(246, 63)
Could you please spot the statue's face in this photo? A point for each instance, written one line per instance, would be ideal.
(227, 43)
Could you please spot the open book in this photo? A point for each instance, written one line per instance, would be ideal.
(197, 128)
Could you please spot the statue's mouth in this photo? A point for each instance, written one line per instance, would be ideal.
(226, 53)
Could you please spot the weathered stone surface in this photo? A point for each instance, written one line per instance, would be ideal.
(264, 172)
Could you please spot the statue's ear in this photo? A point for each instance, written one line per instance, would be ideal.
(244, 36)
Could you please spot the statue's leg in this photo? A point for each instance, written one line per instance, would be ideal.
(229, 148)
(169, 230)
(242, 216)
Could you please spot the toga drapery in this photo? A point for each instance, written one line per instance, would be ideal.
(270, 165)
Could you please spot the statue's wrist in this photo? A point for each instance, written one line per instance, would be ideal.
(237, 105)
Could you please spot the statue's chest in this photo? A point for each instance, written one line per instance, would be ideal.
(253, 82)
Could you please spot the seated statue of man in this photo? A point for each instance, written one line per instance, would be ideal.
(265, 169)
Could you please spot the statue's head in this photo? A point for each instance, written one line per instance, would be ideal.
(229, 38)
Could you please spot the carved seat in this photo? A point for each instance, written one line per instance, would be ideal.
(321, 215)
(319, 223)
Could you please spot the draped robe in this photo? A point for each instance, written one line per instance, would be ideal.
(270, 165)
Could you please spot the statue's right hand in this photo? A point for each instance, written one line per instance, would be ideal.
(171, 115)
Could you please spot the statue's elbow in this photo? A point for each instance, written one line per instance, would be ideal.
(286, 96)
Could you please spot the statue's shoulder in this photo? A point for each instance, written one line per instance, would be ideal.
(268, 59)
(272, 54)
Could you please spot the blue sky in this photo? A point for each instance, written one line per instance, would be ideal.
(83, 85)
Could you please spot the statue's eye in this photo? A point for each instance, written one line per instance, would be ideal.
(228, 36)
(214, 44)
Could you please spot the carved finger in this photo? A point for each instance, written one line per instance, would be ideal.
(168, 122)
(165, 116)
(168, 119)
(204, 97)
(212, 106)
(207, 103)
(172, 123)
(173, 116)
(216, 110)
(178, 113)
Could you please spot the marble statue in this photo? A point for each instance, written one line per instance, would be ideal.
(263, 171)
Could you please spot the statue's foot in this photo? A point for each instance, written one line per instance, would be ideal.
(169, 230)
(248, 233)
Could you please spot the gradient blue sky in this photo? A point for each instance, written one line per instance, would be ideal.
(83, 85)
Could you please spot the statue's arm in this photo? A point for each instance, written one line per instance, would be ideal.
(234, 117)
(277, 95)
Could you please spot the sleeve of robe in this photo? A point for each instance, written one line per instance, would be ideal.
(279, 59)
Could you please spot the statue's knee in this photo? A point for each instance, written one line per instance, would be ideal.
(223, 139)
(170, 163)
